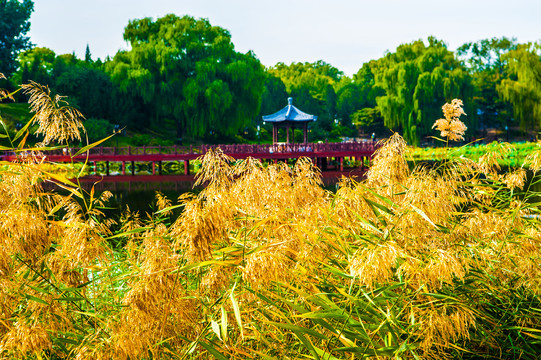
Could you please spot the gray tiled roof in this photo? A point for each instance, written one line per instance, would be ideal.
(289, 113)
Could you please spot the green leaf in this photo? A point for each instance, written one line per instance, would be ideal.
(300, 329)
(306, 343)
(38, 289)
(218, 355)
(90, 146)
(331, 314)
(236, 311)
(23, 129)
(224, 324)
(36, 299)
(324, 354)
(125, 233)
(70, 298)
(67, 341)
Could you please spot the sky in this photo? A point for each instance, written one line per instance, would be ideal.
(343, 33)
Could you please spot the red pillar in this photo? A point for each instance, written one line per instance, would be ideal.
(342, 164)
(153, 168)
(123, 168)
(186, 167)
(287, 134)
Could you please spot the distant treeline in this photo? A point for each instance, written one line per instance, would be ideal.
(183, 79)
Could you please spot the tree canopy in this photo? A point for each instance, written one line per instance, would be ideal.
(183, 79)
(417, 79)
(187, 73)
(314, 88)
(14, 24)
(524, 89)
(487, 64)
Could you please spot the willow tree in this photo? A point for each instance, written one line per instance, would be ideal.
(417, 79)
(188, 74)
(524, 89)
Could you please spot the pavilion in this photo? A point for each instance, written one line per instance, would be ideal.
(289, 117)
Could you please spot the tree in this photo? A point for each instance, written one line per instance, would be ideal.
(312, 86)
(487, 64)
(314, 76)
(523, 89)
(88, 55)
(89, 89)
(86, 85)
(368, 119)
(36, 65)
(188, 75)
(417, 79)
(14, 24)
(274, 95)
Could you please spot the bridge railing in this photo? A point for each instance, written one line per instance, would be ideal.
(291, 148)
(128, 150)
(309, 148)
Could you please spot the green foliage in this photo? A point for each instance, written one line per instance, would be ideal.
(14, 24)
(313, 76)
(183, 78)
(515, 154)
(37, 65)
(97, 129)
(487, 64)
(523, 90)
(88, 55)
(15, 112)
(187, 71)
(88, 88)
(487, 54)
(417, 79)
(274, 94)
(141, 140)
(314, 87)
(367, 119)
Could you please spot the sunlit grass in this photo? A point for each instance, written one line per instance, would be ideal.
(433, 263)
(515, 156)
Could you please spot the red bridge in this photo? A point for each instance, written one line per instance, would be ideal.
(321, 154)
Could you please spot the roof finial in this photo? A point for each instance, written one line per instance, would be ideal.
(290, 100)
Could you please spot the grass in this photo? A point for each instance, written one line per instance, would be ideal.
(264, 263)
(515, 153)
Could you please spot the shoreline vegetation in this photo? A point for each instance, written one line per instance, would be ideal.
(512, 154)
(263, 263)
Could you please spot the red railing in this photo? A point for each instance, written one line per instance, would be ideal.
(291, 148)
(309, 148)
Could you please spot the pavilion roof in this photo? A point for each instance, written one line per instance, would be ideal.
(290, 113)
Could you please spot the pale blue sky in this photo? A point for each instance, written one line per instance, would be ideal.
(344, 33)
